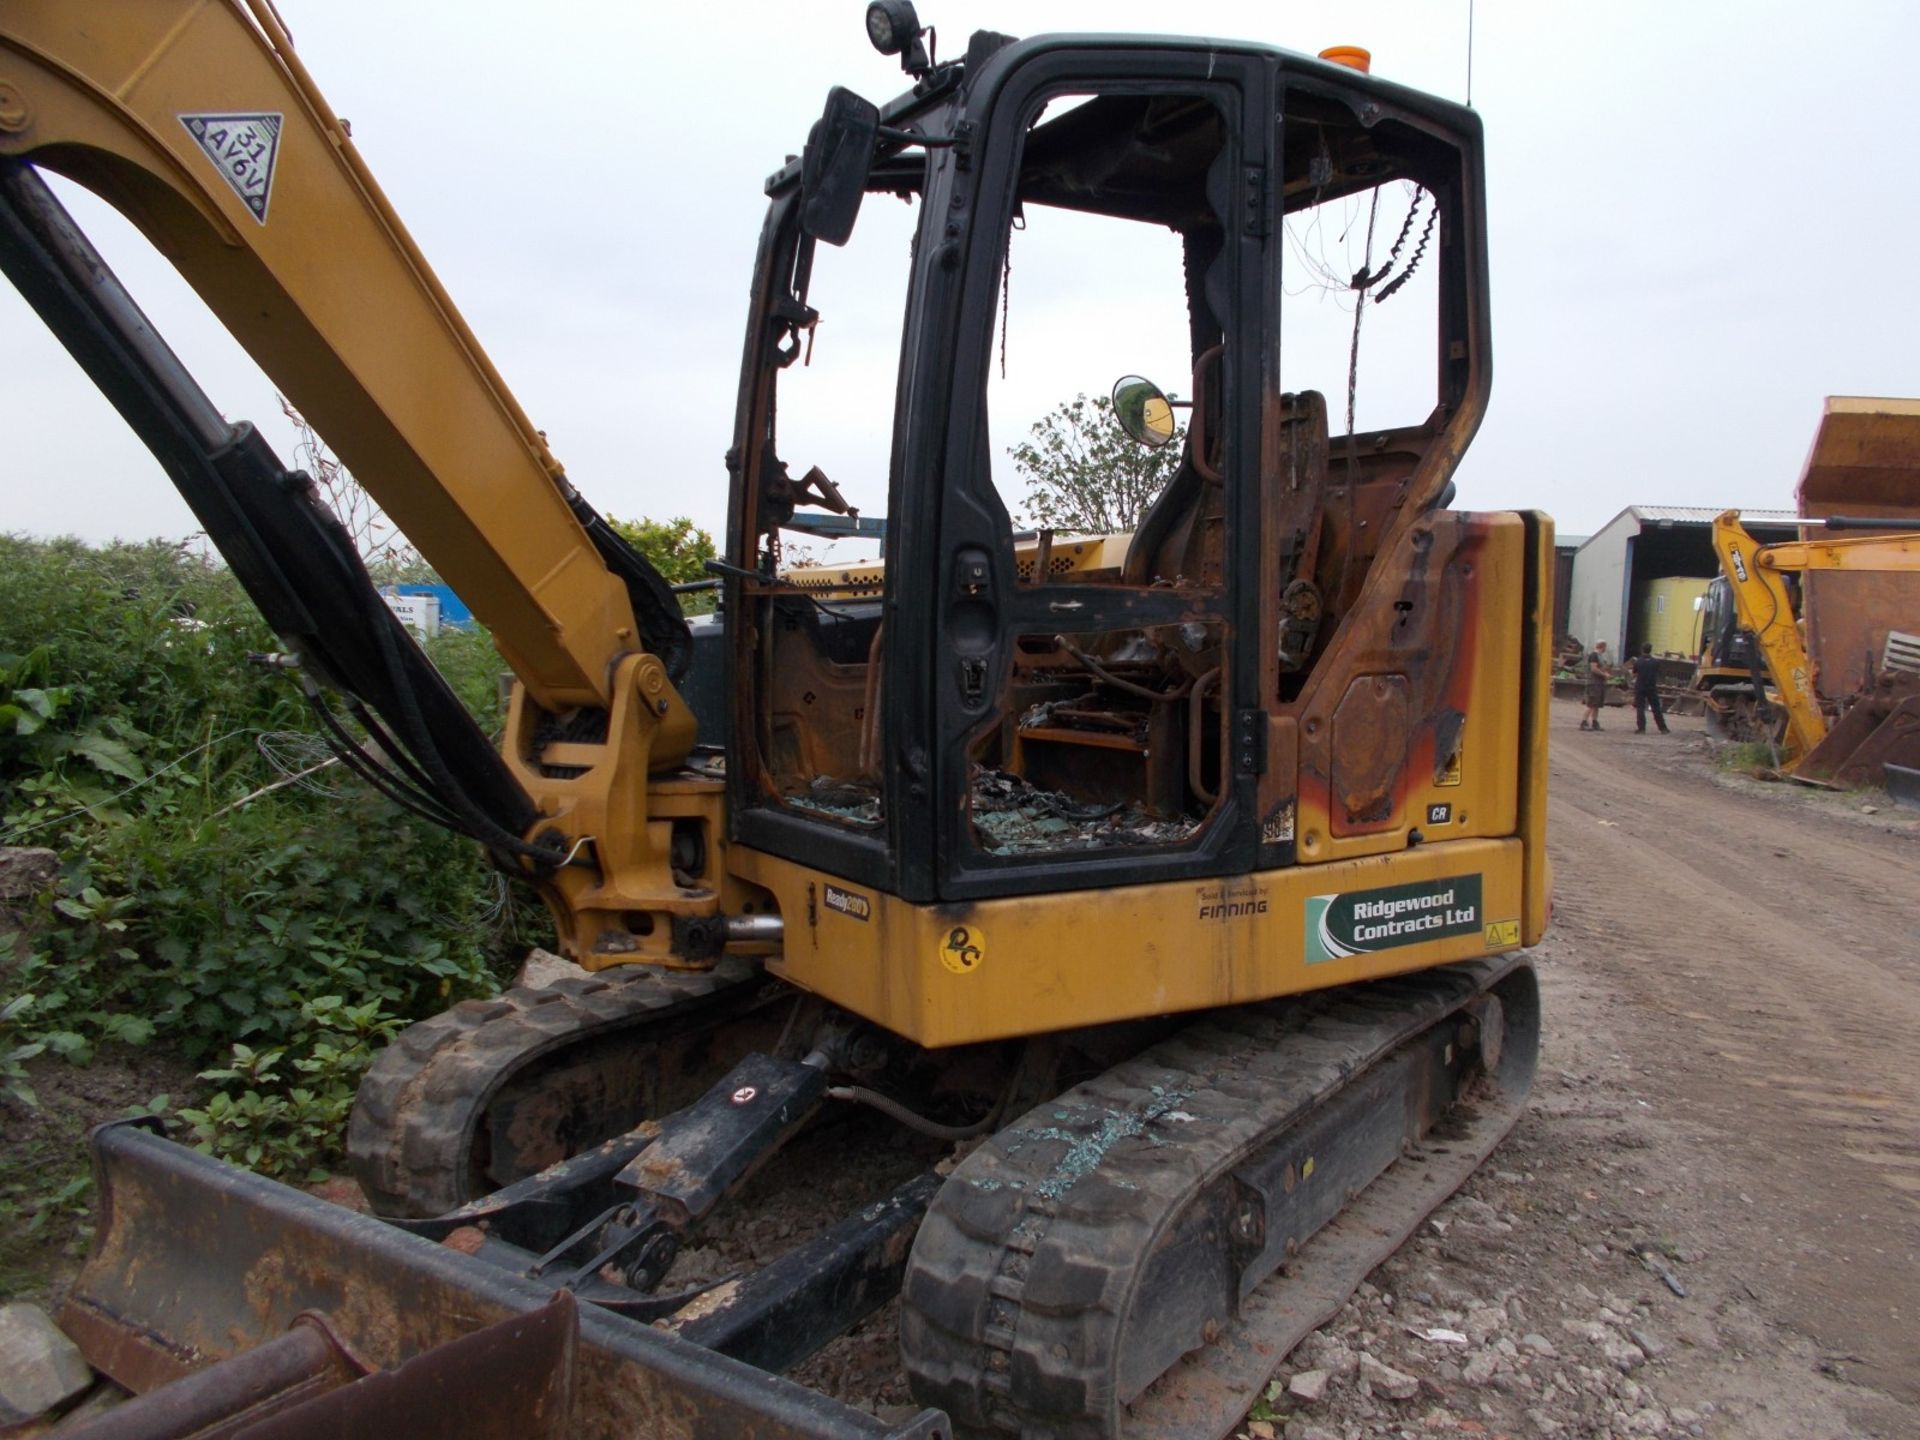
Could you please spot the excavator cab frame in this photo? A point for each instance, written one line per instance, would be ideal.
(939, 661)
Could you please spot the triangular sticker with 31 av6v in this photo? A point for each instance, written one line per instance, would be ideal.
(243, 149)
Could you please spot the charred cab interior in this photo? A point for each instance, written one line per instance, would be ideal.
(1051, 708)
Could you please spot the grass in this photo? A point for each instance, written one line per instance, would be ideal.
(204, 919)
(1747, 757)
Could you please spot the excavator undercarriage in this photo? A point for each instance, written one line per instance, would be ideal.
(1157, 899)
(1130, 1256)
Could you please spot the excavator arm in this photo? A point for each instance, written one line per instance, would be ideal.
(196, 119)
(1755, 573)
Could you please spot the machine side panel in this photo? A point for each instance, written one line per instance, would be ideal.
(1025, 965)
(1411, 731)
(1536, 701)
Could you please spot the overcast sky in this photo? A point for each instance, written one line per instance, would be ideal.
(1702, 222)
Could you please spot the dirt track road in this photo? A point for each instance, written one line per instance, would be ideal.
(1742, 961)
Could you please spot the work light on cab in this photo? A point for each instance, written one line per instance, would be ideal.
(895, 29)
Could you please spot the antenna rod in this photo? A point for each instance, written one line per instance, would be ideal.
(1469, 52)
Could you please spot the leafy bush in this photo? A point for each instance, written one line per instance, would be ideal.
(283, 1111)
(206, 933)
(123, 666)
(678, 549)
(205, 903)
(14, 1053)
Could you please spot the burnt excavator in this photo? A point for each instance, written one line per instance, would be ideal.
(1170, 889)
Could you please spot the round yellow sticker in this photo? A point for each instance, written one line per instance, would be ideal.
(964, 948)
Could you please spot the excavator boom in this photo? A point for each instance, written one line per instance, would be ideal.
(199, 123)
(1765, 608)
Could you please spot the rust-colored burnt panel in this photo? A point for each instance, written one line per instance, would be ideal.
(1293, 482)
(1369, 478)
(1452, 588)
(1449, 731)
(1371, 728)
(1865, 460)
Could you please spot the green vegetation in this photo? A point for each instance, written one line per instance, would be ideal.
(44, 1189)
(229, 902)
(1087, 476)
(678, 549)
(14, 1052)
(224, 893)
(1749, 757)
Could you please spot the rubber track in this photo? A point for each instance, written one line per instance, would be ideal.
(1015, 1302)
(421, 1102)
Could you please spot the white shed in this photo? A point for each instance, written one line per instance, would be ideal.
(1614, 570)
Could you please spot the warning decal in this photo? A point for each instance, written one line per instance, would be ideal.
(243, 149)
(965, 948)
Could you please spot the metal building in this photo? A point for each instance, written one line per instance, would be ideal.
(1621, 574)
(1565, 547)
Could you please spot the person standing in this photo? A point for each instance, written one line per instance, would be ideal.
(1646, 690)
(1598, 672)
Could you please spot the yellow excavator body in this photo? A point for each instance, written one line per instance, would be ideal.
(1181, 878)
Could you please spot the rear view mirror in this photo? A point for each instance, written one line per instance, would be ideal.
(833, 170)
(1143, 410)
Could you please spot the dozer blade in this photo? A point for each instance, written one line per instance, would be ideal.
(195, 1262)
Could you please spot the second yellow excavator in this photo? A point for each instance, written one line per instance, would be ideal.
(1752, 607)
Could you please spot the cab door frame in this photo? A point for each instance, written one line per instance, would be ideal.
(974, 607)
